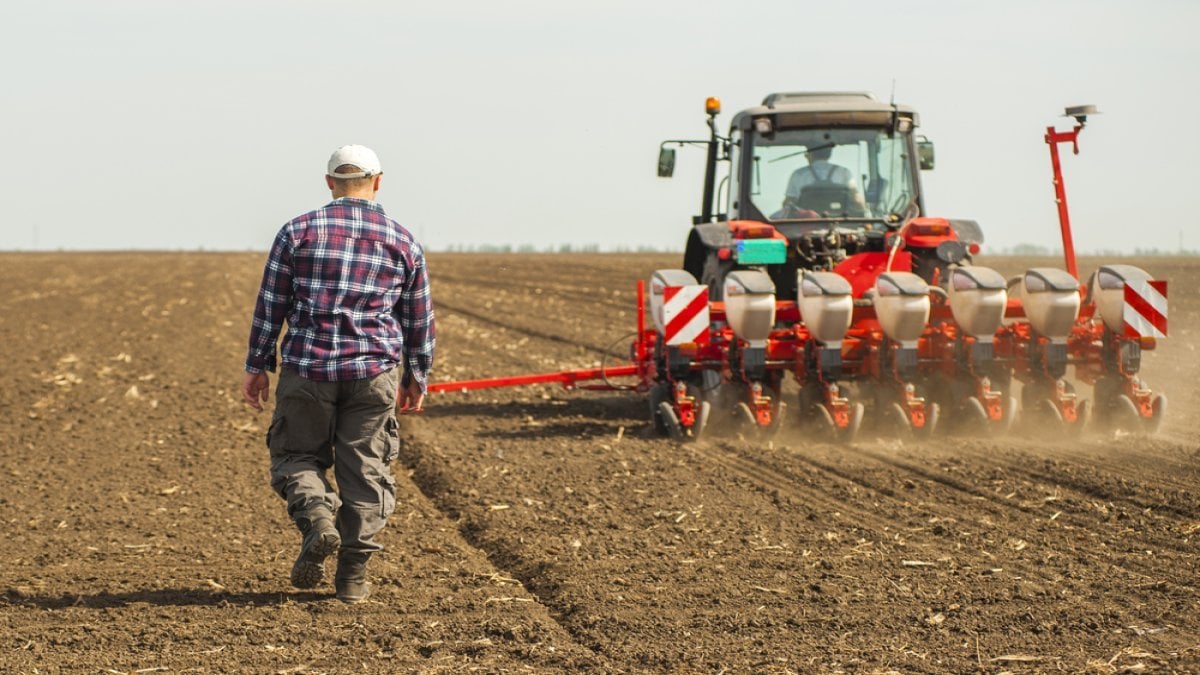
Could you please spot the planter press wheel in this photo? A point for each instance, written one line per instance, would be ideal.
(1127, 417)
(777, 418)
(933, 414)
(1158, 405)
(662, 415)
(670, 421)
(667, 423)
(979, 421)
(1121, 412)
(1043, 407)
(814, 417)
(826, 419)
(702, 414)
(900, 417)
(1049, 411)
(1083, 415)
(745, 416)
(1011, 408)
(850, 433)
(822, 419)
(976, 417)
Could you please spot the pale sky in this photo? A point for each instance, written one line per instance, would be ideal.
(139, 124)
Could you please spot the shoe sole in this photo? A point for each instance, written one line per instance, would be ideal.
(309, 570)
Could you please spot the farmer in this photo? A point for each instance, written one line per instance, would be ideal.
(818, 182)
(819, 170)
(352, 285)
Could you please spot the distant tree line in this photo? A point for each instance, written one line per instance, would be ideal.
(553, 248)
(1023, 249)
(1038, 250)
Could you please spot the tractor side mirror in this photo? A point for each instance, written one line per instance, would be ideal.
(925, 153)
(666, 162)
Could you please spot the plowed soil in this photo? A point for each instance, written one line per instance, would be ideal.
(552, 531)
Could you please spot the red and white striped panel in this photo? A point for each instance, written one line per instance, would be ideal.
(1146, 308)
(685, 314)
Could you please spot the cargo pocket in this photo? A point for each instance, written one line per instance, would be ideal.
(391, 440)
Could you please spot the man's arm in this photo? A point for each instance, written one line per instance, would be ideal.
(415, 314)
(270, 310)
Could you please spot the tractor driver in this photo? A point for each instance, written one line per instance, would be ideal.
(820, 175)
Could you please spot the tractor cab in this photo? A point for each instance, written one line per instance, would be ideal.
(822, 175)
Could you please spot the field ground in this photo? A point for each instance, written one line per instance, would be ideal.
(545, 530)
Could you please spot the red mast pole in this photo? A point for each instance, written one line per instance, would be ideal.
(1053, 138)
(642, 352)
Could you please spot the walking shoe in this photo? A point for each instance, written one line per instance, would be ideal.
(321, 540)
(350, 581)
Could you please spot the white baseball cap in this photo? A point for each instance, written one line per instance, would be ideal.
(355, 155)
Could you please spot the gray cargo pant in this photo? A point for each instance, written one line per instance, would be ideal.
(350, 426)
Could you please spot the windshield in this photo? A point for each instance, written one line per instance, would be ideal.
(802, 174)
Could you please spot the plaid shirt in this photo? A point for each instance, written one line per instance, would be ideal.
(352, 284)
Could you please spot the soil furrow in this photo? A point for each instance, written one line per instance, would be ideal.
(1082, 519)
(924, 520)
(444, 488)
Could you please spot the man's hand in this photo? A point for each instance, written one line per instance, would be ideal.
(256, 387)
(411, 398)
